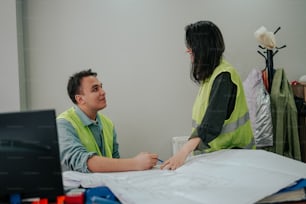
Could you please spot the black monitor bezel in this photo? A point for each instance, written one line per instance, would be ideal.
(29, 155)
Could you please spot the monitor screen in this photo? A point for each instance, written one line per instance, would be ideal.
(29, 155)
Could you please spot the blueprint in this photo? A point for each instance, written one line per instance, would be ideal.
(226, 176)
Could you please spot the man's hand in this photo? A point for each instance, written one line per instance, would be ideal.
(145, 161)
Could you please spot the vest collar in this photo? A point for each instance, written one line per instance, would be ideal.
(84, 118)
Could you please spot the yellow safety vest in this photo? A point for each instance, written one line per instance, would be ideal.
(236, 131)
(86, 135)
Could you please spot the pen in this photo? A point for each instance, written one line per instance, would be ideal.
(160, 160)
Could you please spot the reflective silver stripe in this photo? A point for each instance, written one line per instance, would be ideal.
(229, 127)
(232, 126)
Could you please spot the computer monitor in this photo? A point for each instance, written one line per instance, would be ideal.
(29, 155)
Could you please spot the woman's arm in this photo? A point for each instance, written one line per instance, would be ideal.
(179, 158)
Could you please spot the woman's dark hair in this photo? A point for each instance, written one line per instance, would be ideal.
(207, 45)
(74, 83)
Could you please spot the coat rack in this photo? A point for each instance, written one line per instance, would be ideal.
(269, 60)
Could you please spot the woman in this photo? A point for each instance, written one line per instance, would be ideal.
(220, 117)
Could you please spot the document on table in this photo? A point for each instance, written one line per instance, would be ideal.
(226, 176)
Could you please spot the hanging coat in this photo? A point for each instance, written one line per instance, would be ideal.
(284, 118)
(258, 100)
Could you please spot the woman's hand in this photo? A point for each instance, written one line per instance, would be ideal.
(176, 161)
(179, 158)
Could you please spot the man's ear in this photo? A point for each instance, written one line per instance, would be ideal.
(79, 99)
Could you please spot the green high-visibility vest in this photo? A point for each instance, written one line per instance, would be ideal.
(86, 136)
(236, 131)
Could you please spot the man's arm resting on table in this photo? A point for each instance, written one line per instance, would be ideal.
(142, 161)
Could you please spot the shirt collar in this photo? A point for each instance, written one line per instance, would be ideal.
(84, 118)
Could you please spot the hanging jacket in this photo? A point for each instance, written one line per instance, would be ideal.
(86, 135)
(236, 131)
(284, 118)
(258, 100)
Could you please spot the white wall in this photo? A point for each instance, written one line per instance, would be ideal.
(9, 73)
(137, 48)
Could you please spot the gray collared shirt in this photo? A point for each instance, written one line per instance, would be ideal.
(73, 154)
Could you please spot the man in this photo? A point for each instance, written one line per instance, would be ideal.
(88, 140)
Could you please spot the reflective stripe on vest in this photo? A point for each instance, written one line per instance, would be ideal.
(229, 127)
(86, 135)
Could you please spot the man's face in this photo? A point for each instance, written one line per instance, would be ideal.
(92, 94)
